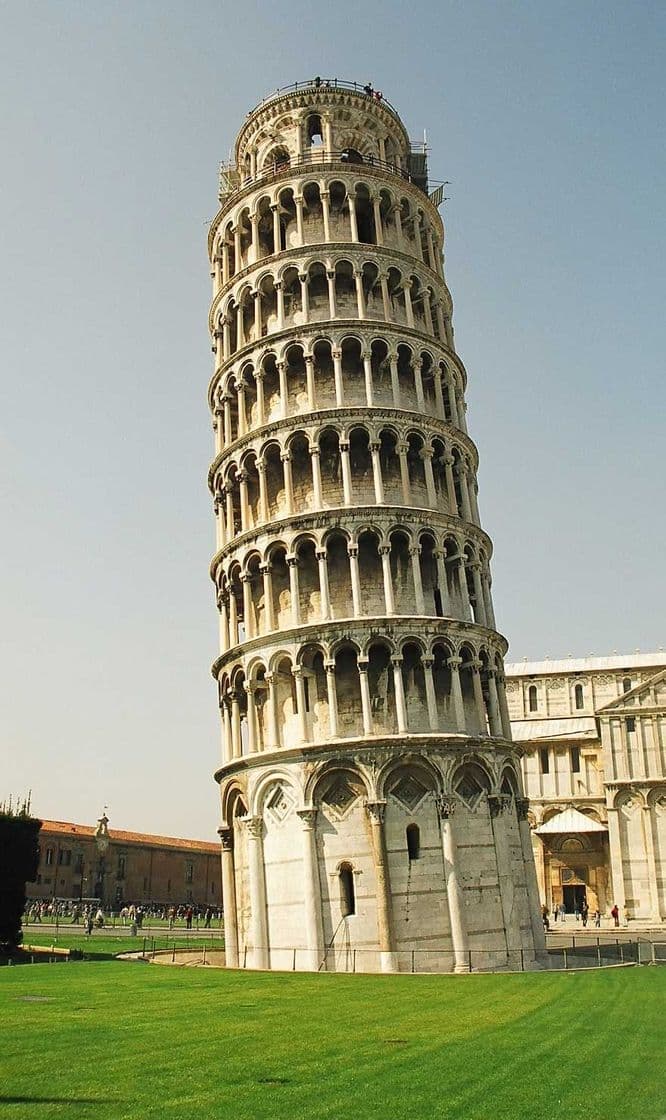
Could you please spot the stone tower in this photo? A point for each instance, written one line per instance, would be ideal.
(372, 808)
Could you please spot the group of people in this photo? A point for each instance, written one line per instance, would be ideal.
(581, 913)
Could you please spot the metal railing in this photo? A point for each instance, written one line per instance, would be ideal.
(231, 181)
(365, 89)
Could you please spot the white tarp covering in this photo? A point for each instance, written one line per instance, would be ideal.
(571, 727)
(570, 820)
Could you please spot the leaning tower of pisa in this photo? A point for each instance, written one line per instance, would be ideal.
(373, 815)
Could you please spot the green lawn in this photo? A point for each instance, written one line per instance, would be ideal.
(106, 943)
(114, 1041)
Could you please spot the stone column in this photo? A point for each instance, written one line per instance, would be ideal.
(325, 598)
(261, 405)
(366, 706)
(236, 742)
(352, 552)
(479, 601)
(298, 202)
(226, 404)
(294, 594)
(494, 716)
(386, 301)
(237, 248)
(418, 384)
(464, 593)
(454, 664)
(377, 473)
(385, 553)
(258, 915)
(314, 933)
(398, 687)
(376, 810)
(377, 214)
(244, 506)
(409, 311)
(227, 735)
(297, 673)
(242, 419)
(487, 599)
(426, 456)
(273, 720)
(431, 699)
(305, 295)
(395, 380)
(247, 605)
(269, 614)
(442, 582)
(256, 296)
(404, 475)
(367, 373)
(439, 399)
(218, 428)
(310, 381)
(478, 696)
(326, 213)
(229, 898)
(284, 391)
(337, 374)
(646, 814)
(351, 198)
(346, 474)
(288, 484)
(617, 869)
(500, 807)
(275, 209)
(263, 494)
(330, 277)
(415, 553)
(503, 706)
(225, 263)
(233, 619)
(315, 462)
(329, 666)
(536, 921)
(450, 486)
(360, 296)
(251, 718)
(280, 304)
(446, 806)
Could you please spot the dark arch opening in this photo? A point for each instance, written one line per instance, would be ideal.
(413, 842)
(347, 893)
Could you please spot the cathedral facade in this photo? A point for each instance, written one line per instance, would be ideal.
(593, 732)
(372, 801)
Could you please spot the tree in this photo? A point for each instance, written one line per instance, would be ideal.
(19, 860)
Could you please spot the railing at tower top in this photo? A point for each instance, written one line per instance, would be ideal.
(364, 89)
(232, 181)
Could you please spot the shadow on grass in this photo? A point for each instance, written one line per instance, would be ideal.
(59, 1100)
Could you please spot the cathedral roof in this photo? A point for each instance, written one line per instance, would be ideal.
(615, 662)
(570, 820)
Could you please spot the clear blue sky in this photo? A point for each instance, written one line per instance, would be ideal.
(548, 120)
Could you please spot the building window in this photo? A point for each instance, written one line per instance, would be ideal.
(122, 863)
(48, 860)
(413, 842)
(631, 723)
(626, 684)
(575, 760)
(347, 895)
(189, 872)
(545, 760)
(579, 699)
(532, 699)
(119, 892)
(78, 862)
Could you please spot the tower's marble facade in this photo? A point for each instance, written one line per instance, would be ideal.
(372, 804)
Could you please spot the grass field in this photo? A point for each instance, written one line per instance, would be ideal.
(107, 943)
(114, 1041)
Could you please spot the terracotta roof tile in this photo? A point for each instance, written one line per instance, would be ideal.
(86, 831)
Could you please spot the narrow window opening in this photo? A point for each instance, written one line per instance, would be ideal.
(438, 603)
(575, 760)
(545, 760)
(626, 684)
(347, 895)
(578, 697)
(532, 699)
(631, 723)
(306, 690)
(413, 842)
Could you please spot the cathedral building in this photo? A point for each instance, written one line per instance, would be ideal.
(372, 801)
(594, 735)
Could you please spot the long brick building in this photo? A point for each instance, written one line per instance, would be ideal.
(82, 861)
